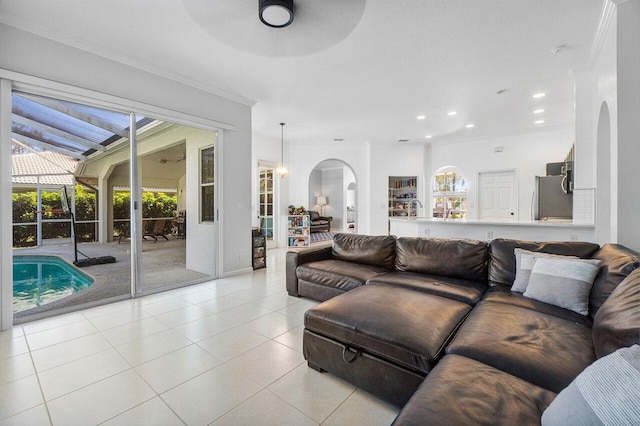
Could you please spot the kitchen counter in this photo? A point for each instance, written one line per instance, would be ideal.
(537, 230)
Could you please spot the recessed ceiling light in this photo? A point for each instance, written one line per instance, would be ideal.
(403, 140)
(538, 111)
(421, 117)
(539, 121)
(451, 113)
(539, 95)
(470, 125)
(428, 136)
(338, 139)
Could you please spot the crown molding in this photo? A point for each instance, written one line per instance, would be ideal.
(69, 40)
(606, 16)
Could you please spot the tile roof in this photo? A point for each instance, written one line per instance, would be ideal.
(53, 168)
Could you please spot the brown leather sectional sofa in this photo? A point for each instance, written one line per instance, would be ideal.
(431, 325)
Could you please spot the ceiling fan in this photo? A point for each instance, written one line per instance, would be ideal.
(183, 157)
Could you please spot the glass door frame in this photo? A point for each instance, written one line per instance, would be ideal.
(12, 81)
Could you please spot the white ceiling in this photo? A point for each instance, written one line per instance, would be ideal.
(357, 70)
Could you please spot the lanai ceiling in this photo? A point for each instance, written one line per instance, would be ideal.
(355, 70)
(41, 123)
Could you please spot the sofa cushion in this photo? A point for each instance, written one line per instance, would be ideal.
(402, 326)
(525, 260)
(465, 259)
(617, 323)
(617, 263)
(338, 273)
(466, 291)
(461, 391)
(539, 348)
(502, 261)
(502, 294)
(563, 282)
(606, 392)
(369, 250)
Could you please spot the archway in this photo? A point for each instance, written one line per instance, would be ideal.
(336, 181)
(603, 176)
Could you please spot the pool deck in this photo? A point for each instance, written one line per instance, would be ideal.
(163, 266)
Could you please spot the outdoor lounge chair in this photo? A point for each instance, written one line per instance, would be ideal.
(157, 231)
(128, 233)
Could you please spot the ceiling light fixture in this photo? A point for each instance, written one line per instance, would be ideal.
(539, 121)
(452, 113)
(538, 111)
(403, 140)
(502, 91)
(539, 95)
(470, 125)
(421, 117)
(276, 13)
(338, 139)
(428, 136)
(282, 170)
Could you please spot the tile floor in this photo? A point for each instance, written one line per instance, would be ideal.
(225, 352)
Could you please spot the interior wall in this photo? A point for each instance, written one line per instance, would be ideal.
(628, 172)
(302, 157)
(27, 53)
(392, 159)
(315, 189)
(603, 173)
(527, 153)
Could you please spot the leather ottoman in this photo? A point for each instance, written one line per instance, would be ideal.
(383, 341)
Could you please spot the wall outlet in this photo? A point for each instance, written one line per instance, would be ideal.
(573, 237)
(490, 235)
(427, 232)
(241, 257)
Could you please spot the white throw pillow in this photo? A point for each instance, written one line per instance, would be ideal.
(563, 282)
(525, 260)
(606, 393)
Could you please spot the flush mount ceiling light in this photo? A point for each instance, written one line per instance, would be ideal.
(538, 111)
(276, 13)
(428, 136)
(539, 95)
(451, 113)
(470, 126)
(421, 117)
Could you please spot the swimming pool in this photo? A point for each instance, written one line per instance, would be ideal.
(38, 280)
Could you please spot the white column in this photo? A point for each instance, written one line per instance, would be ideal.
(6, 242)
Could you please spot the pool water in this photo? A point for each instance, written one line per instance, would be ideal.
(38, 280)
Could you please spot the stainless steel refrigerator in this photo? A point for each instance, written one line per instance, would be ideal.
(551, 200)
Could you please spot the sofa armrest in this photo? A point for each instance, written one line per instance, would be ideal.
(295, 258)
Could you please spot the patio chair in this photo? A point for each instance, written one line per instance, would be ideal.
(157, 231)
(127, 234)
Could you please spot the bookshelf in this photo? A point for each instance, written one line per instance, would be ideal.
(298, 234)
(403, 190)
(259, 249)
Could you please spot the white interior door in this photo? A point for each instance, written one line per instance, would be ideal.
(498, 195)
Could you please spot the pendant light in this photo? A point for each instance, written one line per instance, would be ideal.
(282, 170)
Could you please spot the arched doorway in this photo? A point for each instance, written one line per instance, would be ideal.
(603, 177)
(333, 192)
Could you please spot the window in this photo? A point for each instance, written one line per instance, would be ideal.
(265, 201)
(449, 195)
(207, 185)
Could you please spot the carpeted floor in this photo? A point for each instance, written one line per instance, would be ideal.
(321, 236)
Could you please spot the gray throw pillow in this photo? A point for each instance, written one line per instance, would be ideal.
(525, 260)
(563, 282)
(605, 393)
